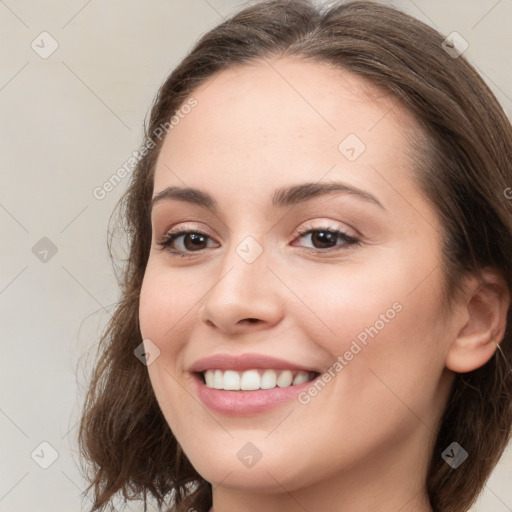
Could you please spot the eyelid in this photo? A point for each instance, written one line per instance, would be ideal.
(327, 225)
(183, 229)
(184, 226)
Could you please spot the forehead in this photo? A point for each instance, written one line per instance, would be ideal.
(286, 120)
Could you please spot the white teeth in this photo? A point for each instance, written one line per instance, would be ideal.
(231, 380)
(209, 378)
(218, 379)
(285, 379)
(250, 380)
(268, 379)
(300, 378)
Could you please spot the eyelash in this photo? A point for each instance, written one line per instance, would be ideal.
(349, 241)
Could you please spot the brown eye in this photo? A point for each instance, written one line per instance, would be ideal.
(191, 241)
(323, 239)
(327, 238)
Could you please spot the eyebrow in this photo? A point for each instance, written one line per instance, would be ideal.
(281, 198)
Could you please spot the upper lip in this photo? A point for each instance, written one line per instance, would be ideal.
(243, 362)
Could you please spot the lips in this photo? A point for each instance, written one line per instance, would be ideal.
(244, 362)
(248, 384)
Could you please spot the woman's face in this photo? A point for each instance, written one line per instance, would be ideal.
(269, 292)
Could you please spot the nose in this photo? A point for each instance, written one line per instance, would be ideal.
(244, 297)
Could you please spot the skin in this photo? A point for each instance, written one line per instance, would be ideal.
(363, 442)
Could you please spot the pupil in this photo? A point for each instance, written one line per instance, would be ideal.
(324, 237)
(195, 239)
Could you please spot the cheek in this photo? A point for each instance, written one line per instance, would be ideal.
(163, 307)
(377, 322)
(166, 306)
(357, 302)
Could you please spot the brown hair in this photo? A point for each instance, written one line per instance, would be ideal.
(465, 167)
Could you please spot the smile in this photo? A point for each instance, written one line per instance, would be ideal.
(248, 384)
(251, 380)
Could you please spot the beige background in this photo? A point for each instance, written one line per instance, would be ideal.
(68, 122)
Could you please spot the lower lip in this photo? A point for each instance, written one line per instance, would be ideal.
(246, 403)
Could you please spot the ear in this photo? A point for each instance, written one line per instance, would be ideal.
(485, 302)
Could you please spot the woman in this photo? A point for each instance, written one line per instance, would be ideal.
(319, 275)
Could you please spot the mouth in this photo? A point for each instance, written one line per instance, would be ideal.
(255, 379)
(249, 383)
